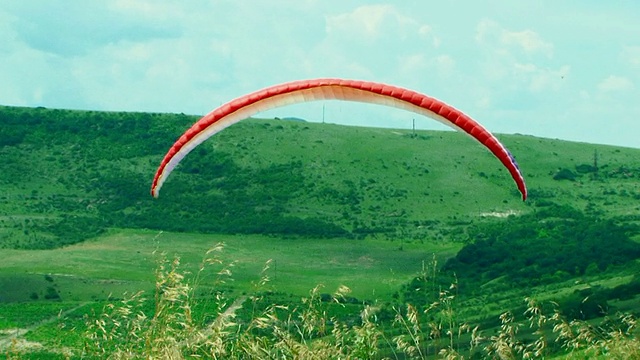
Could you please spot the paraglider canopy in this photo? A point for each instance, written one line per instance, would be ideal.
(331, 89)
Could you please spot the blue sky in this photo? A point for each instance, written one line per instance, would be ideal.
(558, 69)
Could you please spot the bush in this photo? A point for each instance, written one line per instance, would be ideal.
(565, 174)
(535, 249)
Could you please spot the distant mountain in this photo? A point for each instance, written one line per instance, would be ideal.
(291, 118)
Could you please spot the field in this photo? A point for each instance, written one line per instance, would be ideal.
(125, 261)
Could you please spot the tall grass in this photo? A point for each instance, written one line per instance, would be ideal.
(124, 331)
(165, 326)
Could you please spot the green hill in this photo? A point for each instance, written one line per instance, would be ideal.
(70, 175)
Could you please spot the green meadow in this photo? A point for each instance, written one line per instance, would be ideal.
(126, 260)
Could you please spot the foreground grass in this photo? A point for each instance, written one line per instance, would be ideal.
(178, 320)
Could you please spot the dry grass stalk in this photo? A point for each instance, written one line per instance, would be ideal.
(125, 331)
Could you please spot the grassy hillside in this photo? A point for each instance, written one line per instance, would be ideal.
(321, 203)
(69, 175)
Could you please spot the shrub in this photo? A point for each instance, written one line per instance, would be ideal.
(565, 174)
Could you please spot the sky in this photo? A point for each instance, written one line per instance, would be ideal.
(556, 69)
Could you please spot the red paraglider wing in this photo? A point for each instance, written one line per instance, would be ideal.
(330, 89)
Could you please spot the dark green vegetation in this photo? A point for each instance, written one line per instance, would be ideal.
(368, 208)
(546, 246)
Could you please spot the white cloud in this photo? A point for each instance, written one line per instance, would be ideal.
(540, 79)
(413, 64)
(631, 55)
(435, 75)
(374, 22)
(74, 28)
(615, 83)
(517, 63)
(162, 74)
(377, 42)
(529, 42)
(363, 23)
(445, 64)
